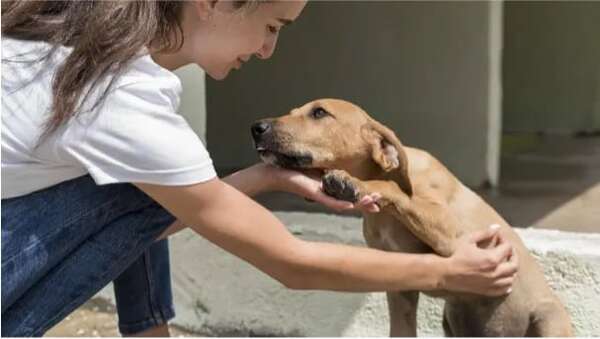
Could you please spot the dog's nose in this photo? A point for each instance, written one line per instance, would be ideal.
(260, 128)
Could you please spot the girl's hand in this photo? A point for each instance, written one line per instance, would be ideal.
(307, 184)
(487, 271)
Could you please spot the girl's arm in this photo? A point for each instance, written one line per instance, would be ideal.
(236, 223)
(261, 178)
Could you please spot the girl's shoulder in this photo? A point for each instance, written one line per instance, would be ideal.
(33, 54)
(144, 69)
(14, 48)
(143, 74)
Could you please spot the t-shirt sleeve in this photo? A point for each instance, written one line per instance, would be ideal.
(136, 135)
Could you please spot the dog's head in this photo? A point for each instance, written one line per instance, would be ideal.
(332, 134)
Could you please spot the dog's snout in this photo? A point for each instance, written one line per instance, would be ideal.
(260, 128)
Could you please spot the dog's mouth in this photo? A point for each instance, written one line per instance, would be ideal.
(291, 160)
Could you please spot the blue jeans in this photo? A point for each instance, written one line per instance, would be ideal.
(63, 244)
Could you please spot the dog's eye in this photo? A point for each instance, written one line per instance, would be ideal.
(318, 113)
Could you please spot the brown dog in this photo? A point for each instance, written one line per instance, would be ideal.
(424, 208)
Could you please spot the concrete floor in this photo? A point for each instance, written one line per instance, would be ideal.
(547, 181)
(552, 183)
(98, 318)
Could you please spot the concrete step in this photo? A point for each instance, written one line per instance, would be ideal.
(218, 294)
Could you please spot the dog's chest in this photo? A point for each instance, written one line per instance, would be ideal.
(384, 232)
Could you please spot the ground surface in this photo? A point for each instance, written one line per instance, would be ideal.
(97, 318)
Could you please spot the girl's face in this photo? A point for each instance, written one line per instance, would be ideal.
(218, 37)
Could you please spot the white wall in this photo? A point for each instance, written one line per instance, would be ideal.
(193, 101)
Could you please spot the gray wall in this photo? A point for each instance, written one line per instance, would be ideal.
(422, 68)
(552, 66)
(596, 111)
(193, 98)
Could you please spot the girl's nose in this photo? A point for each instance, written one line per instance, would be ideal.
(267, 49)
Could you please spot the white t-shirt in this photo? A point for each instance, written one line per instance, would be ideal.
(135, 135)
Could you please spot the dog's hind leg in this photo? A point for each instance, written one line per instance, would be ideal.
(550, 319)
(403, 313)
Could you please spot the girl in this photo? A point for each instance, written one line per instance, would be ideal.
(97, 166)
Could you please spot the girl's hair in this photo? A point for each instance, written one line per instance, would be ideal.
(104, 36)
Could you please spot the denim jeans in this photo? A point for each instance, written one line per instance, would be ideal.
(63, 244)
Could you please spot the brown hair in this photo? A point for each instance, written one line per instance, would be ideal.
(104, 36)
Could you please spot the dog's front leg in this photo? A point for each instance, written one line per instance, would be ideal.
(403, 313)
(426, 216)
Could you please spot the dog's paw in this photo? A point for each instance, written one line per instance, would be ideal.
(341, 186)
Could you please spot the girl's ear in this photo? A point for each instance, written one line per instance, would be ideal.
(204, 8)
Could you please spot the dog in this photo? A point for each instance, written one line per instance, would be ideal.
(424, 208)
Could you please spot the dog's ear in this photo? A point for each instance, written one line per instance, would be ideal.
(387, 152)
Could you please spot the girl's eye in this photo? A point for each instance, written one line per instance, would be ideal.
(318, 113)
(272, 29)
